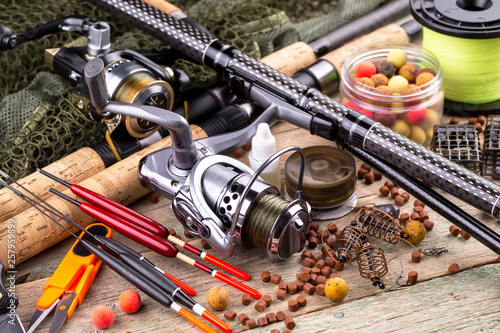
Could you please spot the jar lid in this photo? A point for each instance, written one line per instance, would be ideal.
(329, 176)
(475, 19)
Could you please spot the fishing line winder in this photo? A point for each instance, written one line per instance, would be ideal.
(214, 196)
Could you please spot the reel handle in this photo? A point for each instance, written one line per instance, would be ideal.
(184, 155)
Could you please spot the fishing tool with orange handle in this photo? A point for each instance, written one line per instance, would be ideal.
(70, 282)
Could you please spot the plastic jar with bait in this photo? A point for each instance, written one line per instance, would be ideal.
(411, 111)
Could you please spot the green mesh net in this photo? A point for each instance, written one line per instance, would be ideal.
(39, 124)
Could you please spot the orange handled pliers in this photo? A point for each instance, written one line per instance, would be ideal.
(70, 282)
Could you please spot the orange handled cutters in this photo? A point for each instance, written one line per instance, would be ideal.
(70, 282)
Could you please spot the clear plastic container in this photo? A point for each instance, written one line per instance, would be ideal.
(411, 112)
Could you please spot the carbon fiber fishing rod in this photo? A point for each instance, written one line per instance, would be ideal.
(286, 99)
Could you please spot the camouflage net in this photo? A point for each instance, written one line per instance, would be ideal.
(38, 123)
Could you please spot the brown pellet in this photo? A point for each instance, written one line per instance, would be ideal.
(312, 242)
(416, 256)
(464, 234)
(154, 198)
(282, 285)
(187, 234)
(403, 218)
(394, 193)
(415, 216)
(317, 256)
(313, 279)
(320, 289)
(418, 209)
(265, 276)
(412, 277)
(418, 203)
(286, 331)
(331, 241)
(275, 278)
(262, 321)
(339, 266)
(248, 146)
(308, 262)
(337, 235)
(423, 215)
(268, 299)
(472, 120)
(172, 232)
(365, 167)
(302, 300)
(329, 261)
(454, 268)
(306, 254)
(334, 275)
(320, 264)
(289, 323)
(309, 288)
(304, 276)
(281, 294)
(246, 299)
(280, 315)
(369, 178)
(332, 228)
(315, 271)
(271, 318)
(242, 318)
(251, 324)
(306, 270)
(454, 230)
(481, 119)
(384, 190)
(321, 279)
(293, 305)
(300, 285)
(230, 314)
(292, 288)
(362, 173)
(311, 233)
(260, 306)
(275, 330)
(399, 200)
(389, 184)
(314, 226)
(406, 195)
(325, 249)
(479, 128)
(428, 224)
(323, 236)
(238, 152)
(454, 121)
(326, 271)
(205, 245)
(377, 175)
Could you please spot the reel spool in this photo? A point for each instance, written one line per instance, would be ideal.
(464, 36)
(130, 82)
(223, 197)
(329, 181)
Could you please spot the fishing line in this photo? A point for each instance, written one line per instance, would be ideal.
(465, 37)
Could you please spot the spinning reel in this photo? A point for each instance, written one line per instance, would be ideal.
(214, 196)
(130, 76)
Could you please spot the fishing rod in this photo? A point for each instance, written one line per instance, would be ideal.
(286, 99)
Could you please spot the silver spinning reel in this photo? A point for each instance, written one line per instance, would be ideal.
(214, 196)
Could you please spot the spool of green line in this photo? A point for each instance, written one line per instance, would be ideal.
(465, 37)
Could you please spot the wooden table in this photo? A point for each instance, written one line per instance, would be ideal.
(468, 301)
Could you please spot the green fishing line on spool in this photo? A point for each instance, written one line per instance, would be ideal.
(258, 227)
(470, 66)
